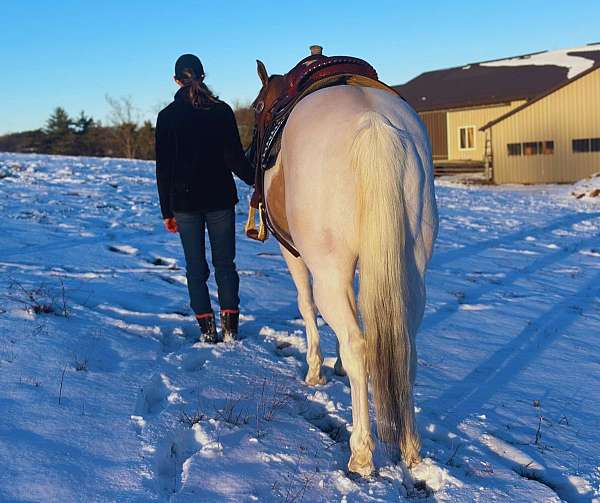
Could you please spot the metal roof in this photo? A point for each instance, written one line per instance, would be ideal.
(498, 81)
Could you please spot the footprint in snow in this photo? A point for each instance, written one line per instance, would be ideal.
(155, 395)
(284, 349)
(174, 454)
(169, 263)
(194, 361)
(285, 344)
(317, 414)
(124, 249)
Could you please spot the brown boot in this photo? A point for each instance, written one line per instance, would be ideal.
(208, 328)
(230, 319)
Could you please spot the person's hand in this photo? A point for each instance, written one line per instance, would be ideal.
(171, 224)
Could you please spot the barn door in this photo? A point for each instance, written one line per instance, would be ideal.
(437, 127)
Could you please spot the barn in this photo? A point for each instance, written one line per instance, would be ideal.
(533, 118)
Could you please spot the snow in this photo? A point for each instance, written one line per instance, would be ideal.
(108, 398)
(561, 57)
(588, 189)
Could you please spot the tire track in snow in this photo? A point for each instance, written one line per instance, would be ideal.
(507, 361)
(474, 248)
(475, 294)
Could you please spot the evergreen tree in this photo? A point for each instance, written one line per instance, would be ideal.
(83, 124)
(59, 132)
(59, 123)
(86, 137)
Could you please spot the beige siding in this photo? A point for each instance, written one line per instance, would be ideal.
(477, 117)
(571, 112)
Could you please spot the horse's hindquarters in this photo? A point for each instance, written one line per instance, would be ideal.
(319, 183)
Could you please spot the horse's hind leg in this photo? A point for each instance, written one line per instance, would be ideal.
(301, 278)
(335, 300)
(339, 366)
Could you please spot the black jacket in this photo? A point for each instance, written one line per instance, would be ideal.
(196, 151)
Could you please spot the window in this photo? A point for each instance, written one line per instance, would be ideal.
(548, 148)
(586, 145)
(514, 149)
(581, 145)
(466, 138)
(531, 148)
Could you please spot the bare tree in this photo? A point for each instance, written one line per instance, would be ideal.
(244, 115)
(158, 106)
(124, 117)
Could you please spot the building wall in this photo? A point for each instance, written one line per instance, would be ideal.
(477, 117)
(436, 124)
(570, 113)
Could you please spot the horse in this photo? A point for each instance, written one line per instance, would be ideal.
(354, 180)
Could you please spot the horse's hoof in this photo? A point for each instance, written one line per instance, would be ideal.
(338, 368)
(315, 379)
(360, 467)
(412, 461)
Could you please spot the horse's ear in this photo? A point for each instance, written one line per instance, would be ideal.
(262, 72)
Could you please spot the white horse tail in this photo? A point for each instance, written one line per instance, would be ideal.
(379, 156)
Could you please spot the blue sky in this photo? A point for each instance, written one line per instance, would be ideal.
(74, 53)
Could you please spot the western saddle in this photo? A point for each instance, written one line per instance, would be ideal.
(274, 104)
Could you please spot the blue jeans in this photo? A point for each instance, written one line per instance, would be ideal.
(221, 232)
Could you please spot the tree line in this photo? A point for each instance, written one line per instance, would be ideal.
(123, 136)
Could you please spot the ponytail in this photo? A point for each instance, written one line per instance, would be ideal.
(199, 94)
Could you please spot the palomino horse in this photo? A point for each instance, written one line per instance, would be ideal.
(354, 180)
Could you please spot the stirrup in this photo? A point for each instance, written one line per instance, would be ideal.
(261, 233)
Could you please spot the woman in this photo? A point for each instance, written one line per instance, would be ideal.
(197, 148)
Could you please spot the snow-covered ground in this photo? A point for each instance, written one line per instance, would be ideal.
(107, 398)
(588, 189)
